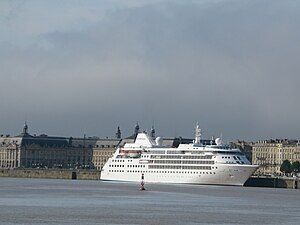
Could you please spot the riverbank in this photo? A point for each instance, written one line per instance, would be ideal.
(273, 182)
(77, 174)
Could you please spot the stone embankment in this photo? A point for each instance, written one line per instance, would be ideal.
(274, 182)
(51, 174)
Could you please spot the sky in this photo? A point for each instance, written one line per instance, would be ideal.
(79, 67)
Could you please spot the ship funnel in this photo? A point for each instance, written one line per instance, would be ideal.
(218, 141)
(159, 141)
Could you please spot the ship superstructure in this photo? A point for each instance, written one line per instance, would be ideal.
(192, 163)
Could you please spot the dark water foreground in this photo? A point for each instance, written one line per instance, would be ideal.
(72, 202)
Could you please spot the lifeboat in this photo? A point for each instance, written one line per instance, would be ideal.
(131, 153)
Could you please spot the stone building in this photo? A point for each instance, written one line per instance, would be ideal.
(103, 149)
(270, 154)
(31, 151)
(10, 151)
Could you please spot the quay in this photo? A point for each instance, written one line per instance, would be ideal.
(88, 174)
(273, 182)
(74, 174)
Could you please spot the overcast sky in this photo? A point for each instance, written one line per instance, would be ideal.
(75, 67)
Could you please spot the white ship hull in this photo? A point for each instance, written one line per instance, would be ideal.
(235, 175)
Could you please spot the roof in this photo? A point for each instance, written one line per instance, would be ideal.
(44, 141)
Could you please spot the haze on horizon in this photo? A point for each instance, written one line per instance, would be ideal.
(75, 67)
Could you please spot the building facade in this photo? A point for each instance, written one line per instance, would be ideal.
(103, 149)
(31, 151)
(270, 154)
(9, 152)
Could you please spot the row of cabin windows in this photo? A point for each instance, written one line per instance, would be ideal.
(233, 162)
(180, 162)
(116, 165)
(235, 158)
(154, 171)
(179, 167)
(137, 166)
(119, 160)
(180, 157)
(165, 167)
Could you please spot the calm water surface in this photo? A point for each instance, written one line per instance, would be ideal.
(66, 202)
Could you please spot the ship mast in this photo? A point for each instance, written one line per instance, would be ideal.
(197, 134)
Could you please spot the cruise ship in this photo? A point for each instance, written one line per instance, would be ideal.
(194, 163)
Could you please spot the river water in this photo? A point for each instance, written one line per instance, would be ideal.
(72, 202)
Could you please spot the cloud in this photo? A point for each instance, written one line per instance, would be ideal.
(231, 65)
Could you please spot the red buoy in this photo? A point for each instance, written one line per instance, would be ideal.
(142, 188)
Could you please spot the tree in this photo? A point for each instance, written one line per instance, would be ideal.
(285, 167)
(295, 167)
